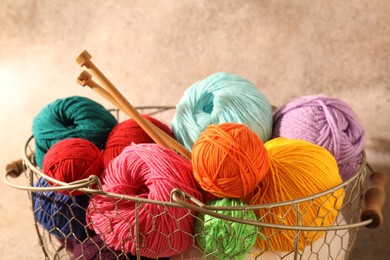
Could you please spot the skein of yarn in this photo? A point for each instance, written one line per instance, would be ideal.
(146, 171)
(221, 98)
(331, 246)
(94, 248)
(127, 132)
(60, 214)
(325, 121)
(73, 159)
(229, 160)
(74, 116)
(226, 239)
(298, 169)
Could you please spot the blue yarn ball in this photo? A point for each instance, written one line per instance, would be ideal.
(221, 98)
(71, 117)
(62, 215)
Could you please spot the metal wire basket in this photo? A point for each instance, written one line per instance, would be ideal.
(362, 206)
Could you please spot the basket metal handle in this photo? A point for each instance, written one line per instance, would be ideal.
(16, 168)
(375, 199)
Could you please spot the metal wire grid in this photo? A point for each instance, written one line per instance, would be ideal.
(344, 229)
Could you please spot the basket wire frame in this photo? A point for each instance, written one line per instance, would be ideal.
(345, 228)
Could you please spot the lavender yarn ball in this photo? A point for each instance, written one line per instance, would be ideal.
(325, 121)
(94, 248)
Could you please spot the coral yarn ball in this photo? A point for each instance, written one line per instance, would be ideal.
(127, 132)
(147, 171)
(73, 159)
(229, 160)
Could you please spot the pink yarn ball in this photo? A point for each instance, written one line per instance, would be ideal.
(147, 171)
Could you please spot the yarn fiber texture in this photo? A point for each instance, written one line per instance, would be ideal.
(221, 98)
(229, 160)
(94, 248)
(61, 215)
(224, 239)
(74, 116)
(325, 121)
(73, 159)
(127, 132)
(146, 171)
(331, 246)
(298, 169)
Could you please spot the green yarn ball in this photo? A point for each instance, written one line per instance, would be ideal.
(225, 239)
(71, 117)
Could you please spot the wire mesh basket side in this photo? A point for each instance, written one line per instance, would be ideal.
(336, 242)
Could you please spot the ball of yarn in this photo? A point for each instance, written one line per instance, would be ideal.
(332, 246)
(127, 132)
(229, 160)
(152, 172)
(298, 169)
(73, 159)
(74, 116)
(226, 239)
(325, 121)
(60, 214)
(221, 98)
(94, 248)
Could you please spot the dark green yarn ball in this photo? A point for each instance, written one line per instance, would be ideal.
(71, 117)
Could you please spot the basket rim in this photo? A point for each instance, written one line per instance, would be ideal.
(83, 185)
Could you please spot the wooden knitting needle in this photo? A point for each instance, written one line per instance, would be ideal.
(84, 59)
(116, 98)
(85, 79)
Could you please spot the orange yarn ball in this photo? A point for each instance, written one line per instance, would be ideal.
(229, 160)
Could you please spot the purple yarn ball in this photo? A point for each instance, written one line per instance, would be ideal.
(94, 248)
(327, 122)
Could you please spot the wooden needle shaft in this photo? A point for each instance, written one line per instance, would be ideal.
(84, 60)
(85, 79)
(115, 97)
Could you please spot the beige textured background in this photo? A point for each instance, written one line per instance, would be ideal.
(153, 50)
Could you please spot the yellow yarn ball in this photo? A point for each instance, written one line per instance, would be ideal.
(298, 169)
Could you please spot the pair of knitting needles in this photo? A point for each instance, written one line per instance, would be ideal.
(111, 94)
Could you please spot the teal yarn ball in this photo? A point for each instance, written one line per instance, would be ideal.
(71, 117)
(221, 98)
(225, 239)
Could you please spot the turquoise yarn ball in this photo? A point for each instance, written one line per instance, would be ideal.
(221, 98)
(71, 117)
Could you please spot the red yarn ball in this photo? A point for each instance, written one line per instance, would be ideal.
(127, 132)
(73, 159)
